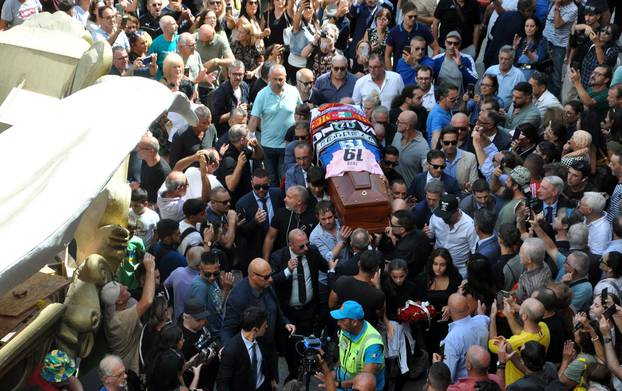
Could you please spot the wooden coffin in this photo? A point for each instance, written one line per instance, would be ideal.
(361, 200)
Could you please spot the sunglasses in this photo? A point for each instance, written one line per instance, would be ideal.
(210, 274)
(261, 187)
(339, 69)
(223, 202)
(437, 166)
(390, 164)
(453, 142)
(452, 43)
(301, 246)
(306, 83)
(265, 278)
(300, 138)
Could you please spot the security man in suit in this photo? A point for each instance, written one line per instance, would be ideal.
(436, 165)
(243, 366)
(295, 275)
(257, 208)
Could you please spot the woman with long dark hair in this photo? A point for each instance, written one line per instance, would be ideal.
(530, 47)
(439, 280)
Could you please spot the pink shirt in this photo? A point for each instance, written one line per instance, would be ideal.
(468, 383)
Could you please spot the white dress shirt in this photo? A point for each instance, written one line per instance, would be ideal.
(293, 300)
(460, 240)
(391, 87)
(599, 234)
(249, 345)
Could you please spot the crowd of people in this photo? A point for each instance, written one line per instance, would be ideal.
(505, 186)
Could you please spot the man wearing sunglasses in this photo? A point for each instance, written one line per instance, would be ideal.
(332, 86)
(256, 290)
(390, 160)
(454, 67)
(297, 174)
(461, 165)
(150, 21)
(436, 170)
(295, 271)
(258, 207)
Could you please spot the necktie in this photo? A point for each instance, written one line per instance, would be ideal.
(264, 206)
(300, 273)
(254, 361)
(549, 214)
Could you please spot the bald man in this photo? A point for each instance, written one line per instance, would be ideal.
(411, 144)
(337, 84)
(398, 204)
(477, 363)
(216, 53)
(465, 331)
(295, 274)
(153, 169)
(531, 313)
(304, 83)
(256, 290)
(165, 43)
(460, 121)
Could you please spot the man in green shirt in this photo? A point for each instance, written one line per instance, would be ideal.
(215, 52)
(595, 97)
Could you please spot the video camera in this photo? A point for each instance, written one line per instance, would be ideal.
(207, 344)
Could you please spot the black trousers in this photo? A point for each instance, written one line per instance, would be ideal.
(304, 319)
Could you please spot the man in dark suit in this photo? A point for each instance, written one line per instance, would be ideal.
(243, 366)
(256, 290)
(487, 243)
(436, 164)
(409, 243)
(297, 174)
(295, 274)
(257, 208)
(423, 210)
(488, 123)
(224, 98)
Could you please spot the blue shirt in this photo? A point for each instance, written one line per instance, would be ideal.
(276, 113)
(179, 282)
(373, 355)
(614, 245)
(162, 48)
(167, 259)
(209, 294)
(409, 73)
(325, 243)
(437, 120)
(328, 93)
(462, 334)
(506, 82)
(399, 38)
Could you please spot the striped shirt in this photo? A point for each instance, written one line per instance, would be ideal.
(531, 280)
(614, 203)
(560, 36)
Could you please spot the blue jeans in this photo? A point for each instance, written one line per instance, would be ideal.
(273, 160)
(558, 55)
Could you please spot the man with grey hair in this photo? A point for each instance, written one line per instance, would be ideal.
(112, 373)
(180, 280)
(274, 110)
(172, 195)
(122, 315)
(348, 265)
(576, 268)
(232, 93)
(336, 84)
(536, 273)
(507, 74)
(188, 141)
(423, 210)
(295, 214)
(551, 197)
(235, 169)
(592, 206)
(153, 169)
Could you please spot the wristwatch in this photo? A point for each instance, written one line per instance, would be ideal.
(607, 339)
(500, 365)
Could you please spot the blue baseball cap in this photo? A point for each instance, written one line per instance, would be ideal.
(349, 310)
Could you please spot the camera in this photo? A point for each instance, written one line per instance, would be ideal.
(323, 34)
(207, 343)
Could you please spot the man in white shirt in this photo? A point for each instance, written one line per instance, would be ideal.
(453, 230)
(543, 98)
(592, 206)
(424, 81)
(109, 29)
(387, 84)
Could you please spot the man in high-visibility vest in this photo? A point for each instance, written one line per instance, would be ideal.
(360, 346)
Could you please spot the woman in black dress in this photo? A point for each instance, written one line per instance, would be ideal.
(435, 284)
